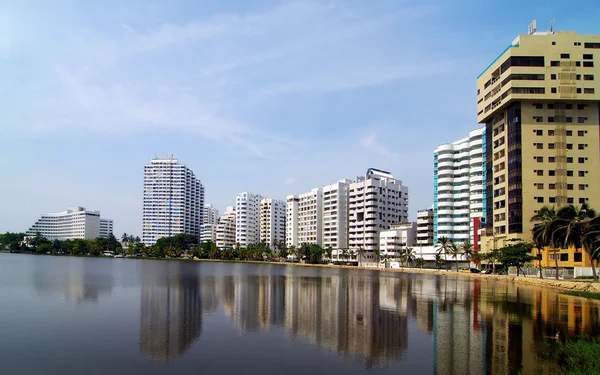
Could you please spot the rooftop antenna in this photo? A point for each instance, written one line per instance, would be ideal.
(552, 25)
(532, 28)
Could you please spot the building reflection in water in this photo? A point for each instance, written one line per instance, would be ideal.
(171, 308)
(477, 326)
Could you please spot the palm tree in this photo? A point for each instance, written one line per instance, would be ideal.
(329, 252)
(419, 262)
(466, 249)
(345, 254)
(444, 243)
(577, 221)
(361, 253)
(438, 260)
(409, 255)
(545, 231)
(454, 250)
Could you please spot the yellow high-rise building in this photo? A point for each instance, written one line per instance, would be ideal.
(540, 103)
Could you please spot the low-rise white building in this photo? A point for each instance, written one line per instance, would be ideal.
(208, 232)
(225, 236)
(393, 241)
(272, 221)
(425, 227)
(74, 222)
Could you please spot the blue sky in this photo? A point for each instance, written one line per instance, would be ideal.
(272, 97)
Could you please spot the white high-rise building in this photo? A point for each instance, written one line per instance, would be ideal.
(225, 236)
(376, 201)
(272, 221)
(335, 215)
(459, 187)
(173, 200)
(74, 222)
(425, 227)
(211, 214)
(247, 218)
(304, 217)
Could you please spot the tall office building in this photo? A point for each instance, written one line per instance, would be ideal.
(74, 222)
(173, 200)
(272, 221)
(211, 214)
(376, 201)
(304, 218)
(335, 215)
(459, 188)
(540, 104)
(425, 227)
(247, 218)
(225, 232)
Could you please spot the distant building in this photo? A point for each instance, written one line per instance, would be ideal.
(173, 200)
(304, 218)
(425, 227)
(74, 222)
(208, 232)
(272, 221)
(396, 239)
(247, 219)
(335, 215)
(225, 236)
(211, 214)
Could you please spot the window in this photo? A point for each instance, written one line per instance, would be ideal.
(569, 159)
(551, 186)
(582, 186)
(539, 186)
(538, 118)
(579, 90)
(539, 172)
(564, 257)
(591, 45)
(588, 56)
(550, 105)
(570, 200)
(565, 56)
(552, 172)
(581, 173)
(551, 146)
(588, 64)
(569, 119)
(569, 133)
(550, 132)
(588, 77)
(581, 146)
(539, 132)
(578, 77)
(554, 63)
(581, 133)
(551, 119)
(569, 186)
(552, 76)
(580, 160)
(576, 43)
(552, 199)
(581, 120)
(588, 91)
(539, 146)
(580, 107)
(540, 199)
(538, 105)
(553, 90)
(551, 159)
(569, 106)
(577, 257)
(570, 173)
(539, 159)
(569, 146)
(577, 63)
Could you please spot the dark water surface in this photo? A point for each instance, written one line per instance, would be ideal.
(66, 315)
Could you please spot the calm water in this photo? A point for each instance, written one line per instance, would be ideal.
(62, 315)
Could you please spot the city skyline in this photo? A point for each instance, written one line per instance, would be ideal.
(124, 82)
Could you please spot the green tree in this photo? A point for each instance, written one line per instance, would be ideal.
(516, 254)
(466, 248)
(409, 256)
(439, 260)
(44, 248)
(361, 253)
(444, 247)
(454, 251)
(11, 241)
(577, 224)
(546, 231)
(329, 252)
(315, 253)
(419, 262)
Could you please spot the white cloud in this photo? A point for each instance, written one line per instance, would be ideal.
(369, 142)
(290, 181)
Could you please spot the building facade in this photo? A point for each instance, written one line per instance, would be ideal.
(540, 104)
(459, 188)
(335, 215)
(247, 219)
(376, 201)
(425, 227)
(304, 218)
(173, 200)
(393, 241)
(74, 222)
(225, 233)
(208, 232)
(272, 221)
(211, 215)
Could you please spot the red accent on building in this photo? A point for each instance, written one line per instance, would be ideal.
(476, 226)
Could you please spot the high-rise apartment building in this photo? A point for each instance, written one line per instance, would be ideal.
(247, 218)
(335, 215)
(208, 232)
(272, 221)
(173, 200)
(540, 103)
(375, 202)
(425, 227)
(74, 222)
(211, 214)
(459, 188)
(225, 236)
(304, 218)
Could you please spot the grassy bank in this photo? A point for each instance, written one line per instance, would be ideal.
(577, 357)
(582, 294)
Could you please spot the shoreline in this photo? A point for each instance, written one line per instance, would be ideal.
(561, 285)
